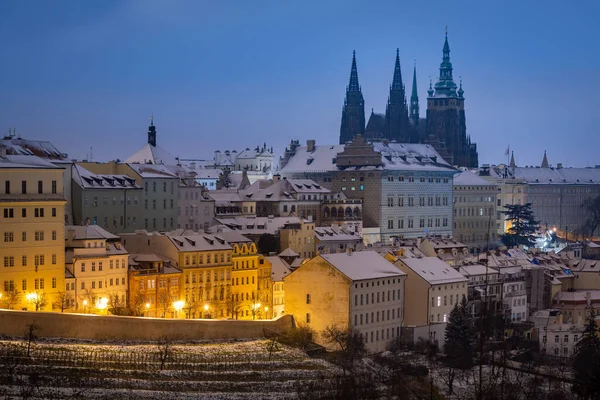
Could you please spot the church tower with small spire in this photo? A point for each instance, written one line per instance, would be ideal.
(152, 132)
(397, 126)
(353, 112)
(446, 122)
(414, 105)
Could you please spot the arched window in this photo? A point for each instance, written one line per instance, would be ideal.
(340, 212)
(348, 212)
(326, 212)
(356, 212)
(334, 212)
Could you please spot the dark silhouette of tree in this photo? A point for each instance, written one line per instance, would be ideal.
(350, 343)
(267, 243)
(62, 301)
(523, 225)
(586, 362)
(592, 222)
(459, 346)
(10, 298)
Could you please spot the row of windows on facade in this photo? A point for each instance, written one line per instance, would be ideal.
(40, 187)
(411, 224)
(154, 187)
(117, 264)
(39, 260)
(38, 284)
(38, 236)
(474, 224)
(162, 283)
(423, 201)
(220, 275)
(392, 314)
(478, 188)
(475, 199)
(193, 210)
(114, 201)
(375, 299)
(131, 221)
(195, 195)
(422, 179)
(341, 212)
(93, 285)
(518, 316)
(205, 226)
(565, 338)
(154, 223)
(473, 212)
(353, 188)
(439, 300)
(474, 237)
(38, 212)
(191, 260)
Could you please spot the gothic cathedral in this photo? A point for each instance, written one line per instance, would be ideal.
(444, 127)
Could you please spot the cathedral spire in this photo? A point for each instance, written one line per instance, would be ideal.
(445, 86)
(353, 86)
(430, 90)
(152, 132)
(414, 98)
(397, 81)
(545, 163)
(512, 160)
(353, 112)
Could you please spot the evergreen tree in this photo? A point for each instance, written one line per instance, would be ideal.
(459, 346)
(523, 225)
(586, 362)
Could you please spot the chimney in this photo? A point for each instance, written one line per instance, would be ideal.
(276, 178)
(310, 145)
(559, 166)
(588, 298)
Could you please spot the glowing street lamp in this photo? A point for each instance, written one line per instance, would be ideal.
(85, 303)
(178, 306)
(102, 303)
(33, 298)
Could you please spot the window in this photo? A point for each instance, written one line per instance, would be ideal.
(9, 213)
(24, 261)
(53, 187)
(439, 302)
(39, 213)
(53, 235)
(23, 187)
(390, 201)
(53, 259)
(308, 318)
(39, 236)
(9, 237)
(9, 261)
(23, 212)
(40, 187)
(7, 187)
(445, 317)
(308, 299)
(556, 339)
(53, 283)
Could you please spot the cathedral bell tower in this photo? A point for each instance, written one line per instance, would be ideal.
(152, 133)
(446, 123)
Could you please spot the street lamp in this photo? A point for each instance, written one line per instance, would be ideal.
(33, 298)
(178, 306)
(206, 311)
(85, 303)
(102, 304)
(147, 308)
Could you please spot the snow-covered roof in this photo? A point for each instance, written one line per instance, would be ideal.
(153, 171)
(152, 155)
(208, 173)
(476, 270)
(549, 176)
(361, 265)
(26, 162)
(26, 147)
(577, 296)
(321, 159)
(257, 225)
(233, 237)
(433, 270)
(88, 180)
(252, 153)
(288, 253)
(411, 156)
(87, 232)
(283, 190)
(198, 242)
(279, 268)
(324, 234)
(469, 178)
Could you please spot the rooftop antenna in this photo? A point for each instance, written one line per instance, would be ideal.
(91, 154)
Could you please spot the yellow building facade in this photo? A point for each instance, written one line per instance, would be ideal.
(32, 220)
(96, 270)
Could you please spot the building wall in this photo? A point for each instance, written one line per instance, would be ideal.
(377, 310)
(416, 204)
(155, 293)
(96, 327)
(32, 248)
(115, 210)
(363, 185)
(250, 296)
(318, 295)
(475, 216)
(194, 211)
(300, 239)
(160, 203)
(417, 295)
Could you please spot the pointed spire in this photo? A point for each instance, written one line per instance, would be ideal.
(414, 98)
(545, 163)
(461, 92)
(512, 160)
(414, 94)
(397, 81)
(152, 119)
(445, 86)
(152, 132)
(353, 86)
(430, 90)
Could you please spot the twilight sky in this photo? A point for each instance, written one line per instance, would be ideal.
(233, 74)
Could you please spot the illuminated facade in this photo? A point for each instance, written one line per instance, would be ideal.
(96, 265)
(32, 232)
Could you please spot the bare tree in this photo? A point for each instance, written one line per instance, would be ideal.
(117, 306)
(350, 342)
(39, 300)
(164, 302)
(62, 301)
(137, 305)
(233, 305)
(165, 351)
(10, 299)
(31, 335)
